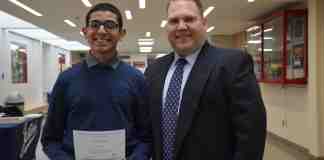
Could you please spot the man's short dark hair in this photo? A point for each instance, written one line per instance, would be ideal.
(106, 7)
(197, 2)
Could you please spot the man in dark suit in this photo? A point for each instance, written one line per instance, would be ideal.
(204, 101)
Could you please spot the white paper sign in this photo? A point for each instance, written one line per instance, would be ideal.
(99, 145)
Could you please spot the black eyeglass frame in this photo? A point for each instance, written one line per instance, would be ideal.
(108, 25)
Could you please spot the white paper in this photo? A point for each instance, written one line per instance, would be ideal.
(99, 145)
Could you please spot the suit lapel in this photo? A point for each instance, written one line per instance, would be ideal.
(159, 80)
(192, 93)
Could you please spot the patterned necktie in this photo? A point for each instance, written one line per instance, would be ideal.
(170, 109)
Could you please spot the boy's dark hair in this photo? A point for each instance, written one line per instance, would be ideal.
(106, 7)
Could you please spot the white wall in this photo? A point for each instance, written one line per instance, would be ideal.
(296, 112)
(316, 76)
(30, 89)
(287, 111)
(42, 68)
(3, 65)
(51, 65)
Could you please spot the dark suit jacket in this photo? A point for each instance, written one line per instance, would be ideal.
(222, 115)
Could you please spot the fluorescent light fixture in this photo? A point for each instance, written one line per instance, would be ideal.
(268, 30)
(28, 30)
(70, 23)
(30, 10)
(141, 4)
(210, 28)
(250, 1)
(254, 41)
(145, 43)
(9, 21)
(270, 38)
(145, 40)
(252, 28)
(265, 50)
(163, 23)
(208, 10)
(145, 51)
(86, 3)
(145, 48)
(128, 14)
(13, 47)
(148, 34)
(22, 50)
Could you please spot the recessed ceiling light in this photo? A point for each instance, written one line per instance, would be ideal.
(210, 28)
(141, 4)
(148, 34)
(252, 28)
(145, 49)
(70, 23)
(163, 23)
(208, 10)
(254, 41)
(268, 38)
(265, 49)
(268, 30)
(250, 1)
(145, 43)
(32, 11)
(128, 14)
(86, 3)
(145, 40)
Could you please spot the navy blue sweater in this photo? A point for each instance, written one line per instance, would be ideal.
(98, 98)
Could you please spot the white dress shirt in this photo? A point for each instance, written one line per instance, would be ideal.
(191, 59)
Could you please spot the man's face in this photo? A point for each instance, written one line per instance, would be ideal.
(103, 33)
(186, 27)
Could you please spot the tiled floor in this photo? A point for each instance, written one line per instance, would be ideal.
(276, 149)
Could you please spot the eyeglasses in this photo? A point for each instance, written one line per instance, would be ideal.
(108, 24)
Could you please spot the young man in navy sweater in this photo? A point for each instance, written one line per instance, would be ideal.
(101, 93)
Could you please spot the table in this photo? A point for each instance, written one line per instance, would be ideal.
(18, 141)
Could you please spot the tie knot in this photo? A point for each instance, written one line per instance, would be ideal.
(181, 62)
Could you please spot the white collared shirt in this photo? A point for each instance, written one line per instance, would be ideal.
(191, 59)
